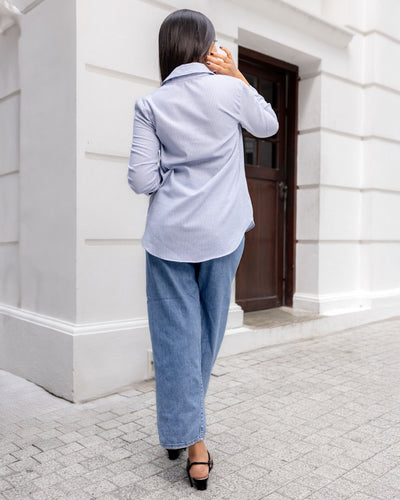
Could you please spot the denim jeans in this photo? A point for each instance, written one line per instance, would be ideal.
(187, 304)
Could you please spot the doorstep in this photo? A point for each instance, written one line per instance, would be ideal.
(286, 324)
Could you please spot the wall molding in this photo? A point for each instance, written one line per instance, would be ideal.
(12, 172)
(286, 14)
(112, 157)
(373, 32)
(143, 80)
(330, 130)
(112, 241)
(77, 329)
(8, 243)
(318, 185)
(361, 242)
(14, 93)
(301, 20)
(363, 303)
(359, 85)
(122, 75)
(68, 327)
(347, 134)
(27, 5)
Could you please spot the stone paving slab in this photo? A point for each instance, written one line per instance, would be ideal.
(315, 419)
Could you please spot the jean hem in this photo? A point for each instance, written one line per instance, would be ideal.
(182, 445)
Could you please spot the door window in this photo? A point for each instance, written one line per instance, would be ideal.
(262, 152)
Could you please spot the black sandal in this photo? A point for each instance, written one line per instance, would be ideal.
(173, 454)
(201, 484)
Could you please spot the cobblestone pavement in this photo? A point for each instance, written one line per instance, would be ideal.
(315, 419)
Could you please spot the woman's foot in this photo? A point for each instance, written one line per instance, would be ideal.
(198, 453)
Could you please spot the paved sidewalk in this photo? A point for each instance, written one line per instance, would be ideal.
(315, 419)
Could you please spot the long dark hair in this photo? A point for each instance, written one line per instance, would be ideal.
(185, 36)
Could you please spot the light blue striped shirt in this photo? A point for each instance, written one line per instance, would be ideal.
(187, 154)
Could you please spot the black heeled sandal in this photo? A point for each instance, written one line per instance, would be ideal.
(173, 454)
(201, 484)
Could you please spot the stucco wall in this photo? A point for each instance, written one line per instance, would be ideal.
(38, 194)
(72, 275)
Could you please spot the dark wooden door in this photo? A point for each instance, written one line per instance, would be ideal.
(265, 277)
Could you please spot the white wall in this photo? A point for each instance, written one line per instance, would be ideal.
(356, 188)
(381, 194)
(38, 192)
(72, 275)
(9, 168)
(48, 159)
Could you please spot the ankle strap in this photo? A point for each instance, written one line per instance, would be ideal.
(201, 463)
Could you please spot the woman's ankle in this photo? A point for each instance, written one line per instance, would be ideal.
(197, 449)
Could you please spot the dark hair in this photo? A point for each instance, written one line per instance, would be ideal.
(185, 36)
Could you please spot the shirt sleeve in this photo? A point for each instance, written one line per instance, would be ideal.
(143, 168)
(255, 113)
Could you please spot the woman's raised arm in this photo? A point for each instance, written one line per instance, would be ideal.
(255, 113)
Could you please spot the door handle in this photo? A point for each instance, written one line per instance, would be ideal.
(282, 190)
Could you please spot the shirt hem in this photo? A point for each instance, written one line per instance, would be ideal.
(149, 249)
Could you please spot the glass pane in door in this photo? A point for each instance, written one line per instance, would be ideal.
(268, 154)
(252, 79)
(268, 91)
(250, 150)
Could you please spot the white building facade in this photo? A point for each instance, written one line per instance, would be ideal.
(72, 268)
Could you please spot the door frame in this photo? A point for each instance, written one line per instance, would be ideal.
(292, 76)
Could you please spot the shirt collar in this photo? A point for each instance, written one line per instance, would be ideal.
(188, 69)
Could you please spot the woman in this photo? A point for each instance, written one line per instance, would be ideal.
(187, 155)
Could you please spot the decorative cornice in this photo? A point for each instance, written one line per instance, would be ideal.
(301, 20)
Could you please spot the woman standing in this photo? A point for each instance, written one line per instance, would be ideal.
(187, 155)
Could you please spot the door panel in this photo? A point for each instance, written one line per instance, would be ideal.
(257, 272)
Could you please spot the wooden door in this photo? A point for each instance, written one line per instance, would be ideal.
(265, 277)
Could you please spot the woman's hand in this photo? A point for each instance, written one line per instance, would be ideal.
(223, 64)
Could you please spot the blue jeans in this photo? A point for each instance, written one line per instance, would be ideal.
(187, 305)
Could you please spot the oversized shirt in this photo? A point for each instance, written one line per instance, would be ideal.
(187, 155)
